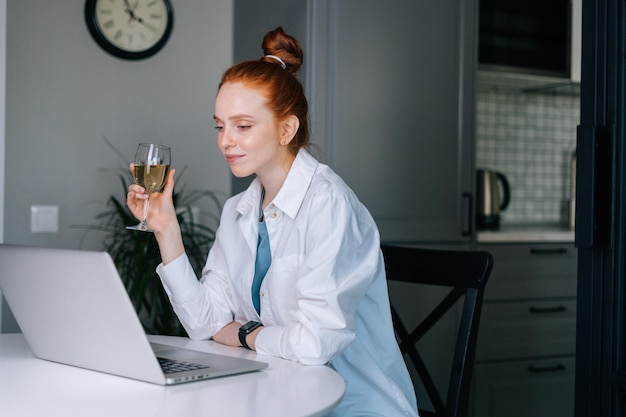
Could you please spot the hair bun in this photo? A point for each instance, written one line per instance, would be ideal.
(282, 49)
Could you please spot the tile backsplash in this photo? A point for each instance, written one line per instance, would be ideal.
(530, 138)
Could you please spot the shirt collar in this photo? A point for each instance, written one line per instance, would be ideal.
(250, 198)
(291, 194)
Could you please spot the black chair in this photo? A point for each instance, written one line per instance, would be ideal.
(466, 273)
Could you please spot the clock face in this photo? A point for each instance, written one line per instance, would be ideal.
(130, 29)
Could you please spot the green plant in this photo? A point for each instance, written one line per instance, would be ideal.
(136, 254)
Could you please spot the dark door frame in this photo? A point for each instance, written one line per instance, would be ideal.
(601, 213)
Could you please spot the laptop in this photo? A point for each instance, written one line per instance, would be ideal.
(73, 308)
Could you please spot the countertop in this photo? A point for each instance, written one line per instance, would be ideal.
(511, 233)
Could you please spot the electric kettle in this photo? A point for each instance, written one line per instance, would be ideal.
(493, 195)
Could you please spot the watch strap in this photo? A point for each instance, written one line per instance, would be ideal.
(242, 339)
(245, 330)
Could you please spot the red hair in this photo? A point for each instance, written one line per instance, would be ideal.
(284, 92)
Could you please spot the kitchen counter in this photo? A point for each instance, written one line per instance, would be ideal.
(526, 233)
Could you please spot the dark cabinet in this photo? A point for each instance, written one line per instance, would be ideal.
(525, 355)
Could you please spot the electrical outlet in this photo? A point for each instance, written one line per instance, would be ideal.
(44, 219)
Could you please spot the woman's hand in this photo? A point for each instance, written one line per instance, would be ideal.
(229, 335)
(161, 208)
(161, 216)
(136, 196)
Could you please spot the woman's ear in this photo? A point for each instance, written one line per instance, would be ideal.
(288, 129)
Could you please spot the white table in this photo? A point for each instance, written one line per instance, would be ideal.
(34, 387)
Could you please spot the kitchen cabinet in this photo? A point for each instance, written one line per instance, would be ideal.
(403, 113)
(391, 92)
(526, 344)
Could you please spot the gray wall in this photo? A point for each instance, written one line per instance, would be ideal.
(3, 22)
(64, 93)
(3, 5)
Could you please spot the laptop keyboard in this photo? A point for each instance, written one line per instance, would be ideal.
(170, 365)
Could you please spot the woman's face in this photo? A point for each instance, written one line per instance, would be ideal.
(248, 133)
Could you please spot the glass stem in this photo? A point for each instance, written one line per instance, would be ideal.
(145, 213)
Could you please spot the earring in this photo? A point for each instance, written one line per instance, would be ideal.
(282, 142)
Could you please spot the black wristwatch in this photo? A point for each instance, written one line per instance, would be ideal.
(245, 330)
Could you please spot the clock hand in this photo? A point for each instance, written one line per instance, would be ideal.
(130, 11)
(129, 7)
(146, 24)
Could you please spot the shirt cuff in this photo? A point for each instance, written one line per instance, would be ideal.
(268, 343)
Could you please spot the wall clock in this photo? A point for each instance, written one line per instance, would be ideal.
(130, 29)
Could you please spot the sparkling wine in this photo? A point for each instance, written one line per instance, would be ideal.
(151, 177)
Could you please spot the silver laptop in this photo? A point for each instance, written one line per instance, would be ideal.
(72, 308)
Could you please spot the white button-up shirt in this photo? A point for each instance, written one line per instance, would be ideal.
(324, 299)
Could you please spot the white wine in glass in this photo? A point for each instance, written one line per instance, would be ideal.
(152, 164)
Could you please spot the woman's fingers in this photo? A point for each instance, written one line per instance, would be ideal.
(169, 184)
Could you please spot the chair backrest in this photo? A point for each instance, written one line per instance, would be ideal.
(466, 273)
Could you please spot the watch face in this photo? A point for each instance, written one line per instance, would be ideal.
(250, 326)
(130, 29)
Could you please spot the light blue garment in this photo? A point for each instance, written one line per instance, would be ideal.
(376, 386)
(263, 258)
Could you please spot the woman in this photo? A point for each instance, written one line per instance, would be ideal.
(296, 269)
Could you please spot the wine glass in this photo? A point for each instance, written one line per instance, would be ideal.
(152, 164)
